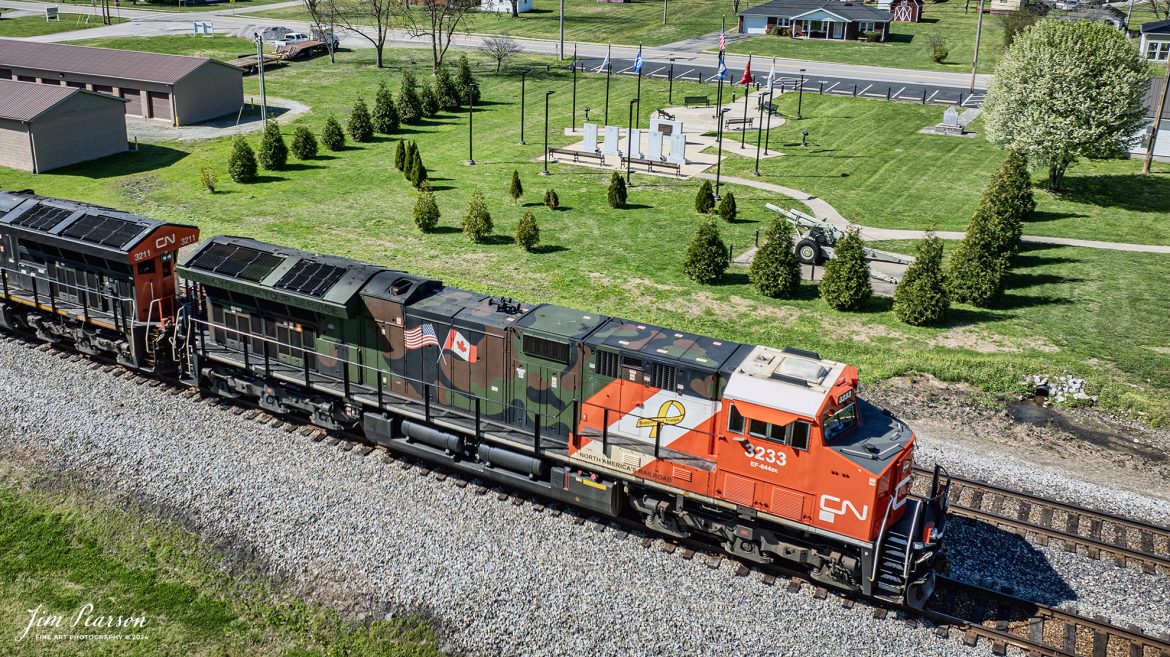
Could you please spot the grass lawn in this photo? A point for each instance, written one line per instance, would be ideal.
(62, 550)
(173, 5)
(907, 46)
(27, 26)
(866, 159)
(634, 22)
(216, 47)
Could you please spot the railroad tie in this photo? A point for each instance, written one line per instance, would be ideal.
(1147, 542)
(1070, 638)
(999, 647)
(1121, 538)
(1095, 529)
(1023, 512)
(977, 500)
(1036, 629)
(1100, 644)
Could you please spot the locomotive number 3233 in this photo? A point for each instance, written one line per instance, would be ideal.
(767, 455)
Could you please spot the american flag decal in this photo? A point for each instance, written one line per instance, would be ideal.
(421, 336)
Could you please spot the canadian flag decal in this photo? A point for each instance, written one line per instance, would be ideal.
(463, 348)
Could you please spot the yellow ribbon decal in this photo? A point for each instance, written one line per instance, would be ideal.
(664, 417)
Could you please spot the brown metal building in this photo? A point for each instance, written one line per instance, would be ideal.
(43, 127)
(171, 88)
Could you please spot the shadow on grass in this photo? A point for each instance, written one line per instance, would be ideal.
(638, 206)
(445, 230)
(734, 278)
(269, 178)
(148, 157)
(497, 240)
(440, 188)
(1134, 192)
(549, 248)
(1042, 216)
(301, 166)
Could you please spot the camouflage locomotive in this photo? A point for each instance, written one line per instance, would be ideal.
(768, 451)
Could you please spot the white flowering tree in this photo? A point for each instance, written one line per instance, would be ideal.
(1066, 90)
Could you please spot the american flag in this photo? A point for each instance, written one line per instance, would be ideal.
(421, 336)
(722, 40)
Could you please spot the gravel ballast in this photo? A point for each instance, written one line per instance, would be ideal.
(496, 578)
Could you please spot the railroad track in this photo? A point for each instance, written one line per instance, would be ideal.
(1000, 619)
(1101, 535)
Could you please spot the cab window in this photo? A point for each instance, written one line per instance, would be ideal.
(734, 421)
(800, 431)
(841, 421)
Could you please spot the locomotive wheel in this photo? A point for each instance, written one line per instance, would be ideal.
(809, 252)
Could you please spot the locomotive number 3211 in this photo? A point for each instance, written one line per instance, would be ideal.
(768, 455)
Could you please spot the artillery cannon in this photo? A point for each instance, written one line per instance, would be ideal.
(818, 238)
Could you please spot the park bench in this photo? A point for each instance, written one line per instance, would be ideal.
(696, 101)
(650, 164)
(576, 155)
(743, 124)
(770, 107)
(663, 114)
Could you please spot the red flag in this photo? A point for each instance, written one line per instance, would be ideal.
(460, 345)
(747, 72)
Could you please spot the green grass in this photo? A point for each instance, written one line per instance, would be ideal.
(216, 47)
(1063, 313)
(868, 159)
(907, 47)
(27, 26)
(63, 549)
(173, 5)
(590, 21)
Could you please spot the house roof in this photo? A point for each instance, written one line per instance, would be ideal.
(792, 8)
(1156, 26)
(102, 62)
(1102, 13)
(25, 101)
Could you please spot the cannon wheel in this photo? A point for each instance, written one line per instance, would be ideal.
(809, 252)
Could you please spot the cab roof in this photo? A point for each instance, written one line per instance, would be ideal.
(675, 347)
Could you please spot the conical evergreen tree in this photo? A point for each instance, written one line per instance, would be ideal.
(400, 155)
(516, 190)
(527, 232)
(418, 171)
(409, 104)
(775, 269)
(706, 259)
(446, 90)
(727, 209)
(477, 222)
(273, 153)
(617, 191)
(976, 271)
(430, 101)
(411, 158)
(705, 198)
(385, 111)
(304, 144)
(242, 161)
(845, 285)
(361, 128)
(921, 298)
(332, 137)
(464, 80)
(426, 211)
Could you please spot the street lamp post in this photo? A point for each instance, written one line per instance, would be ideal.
(608, 71)
(670, 84)
(260, 73)
(630, 139)
(523, 77)
(719, 157)
(574, 124)
(975, 61)
(759, 133)
(546, 96)
(800, 95)
(470, 121)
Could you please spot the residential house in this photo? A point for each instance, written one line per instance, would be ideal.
(505, 6)
(1155, 43)
(816, 19)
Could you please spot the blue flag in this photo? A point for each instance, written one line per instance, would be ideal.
(638, 61)
(721, 74)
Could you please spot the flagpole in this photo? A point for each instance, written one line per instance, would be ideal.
(771, 95)
(746, 82)
(608, 70)
(637, 117)
(574, 124)
(719, 113)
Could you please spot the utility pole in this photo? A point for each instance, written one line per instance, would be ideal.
(260, 73)
(978, 33)
(561, 48)
(664, 5)
(1158, 110)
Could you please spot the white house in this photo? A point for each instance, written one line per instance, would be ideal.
(505, 6)
(1162, 144)
(1155, 44)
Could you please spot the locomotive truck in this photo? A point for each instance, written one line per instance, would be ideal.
(768, 451)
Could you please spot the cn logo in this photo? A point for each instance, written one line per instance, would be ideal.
(831, 507)
(164, 241)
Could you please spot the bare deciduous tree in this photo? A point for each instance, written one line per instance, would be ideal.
(371, 19)
(440, 19)
(500, 49)
(1161, 8)
(323, 14)
(515, 8)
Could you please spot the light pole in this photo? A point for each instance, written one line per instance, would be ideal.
(630, 139)
(608, 71)
(975, 62)
(719, 157)
(758, 134)
(664, 5)
(260, 73)
(561, 48)
(470, 120)
(670, 84)
(800, 95)
(574, 124)
(743, 128)
(523, 76)
(546, 96)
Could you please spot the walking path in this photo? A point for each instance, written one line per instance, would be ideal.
(822, 210)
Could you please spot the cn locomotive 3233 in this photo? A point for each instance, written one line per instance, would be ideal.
(768, 451)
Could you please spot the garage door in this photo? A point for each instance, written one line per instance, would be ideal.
(135, 97)
(160, 105)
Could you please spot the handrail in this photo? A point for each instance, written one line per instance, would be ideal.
(910, 538)
(877, 548)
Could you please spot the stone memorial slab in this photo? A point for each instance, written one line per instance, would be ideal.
(678, 149)
(654, 145)
(610, 147)
(634, 145)
(667, 127)
(951, 117)
(590, 145)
